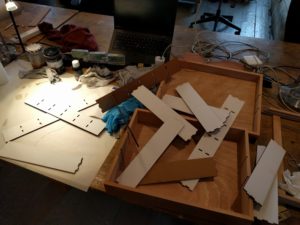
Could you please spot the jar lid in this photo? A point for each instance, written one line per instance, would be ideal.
(35, 47)
(51, 52)
(75, 63)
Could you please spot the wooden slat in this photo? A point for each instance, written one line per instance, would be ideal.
(180, 170)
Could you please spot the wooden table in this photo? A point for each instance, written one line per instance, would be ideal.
(101, 26)
(281, 53)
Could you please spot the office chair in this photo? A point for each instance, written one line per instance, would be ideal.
(292, 33)
(209, 17)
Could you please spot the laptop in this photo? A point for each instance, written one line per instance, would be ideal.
(143, 29)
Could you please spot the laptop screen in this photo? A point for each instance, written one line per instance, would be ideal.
(147, 16)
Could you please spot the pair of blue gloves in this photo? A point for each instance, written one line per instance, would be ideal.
(120, 114)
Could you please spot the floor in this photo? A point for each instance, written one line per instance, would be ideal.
(27, 198)
(252, 17)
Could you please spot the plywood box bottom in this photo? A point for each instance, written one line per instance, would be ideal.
(214, 84)
(220, 199)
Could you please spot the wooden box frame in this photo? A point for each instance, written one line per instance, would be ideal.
(278, 118)
(223, 199)
(218, 81)
(214, 84)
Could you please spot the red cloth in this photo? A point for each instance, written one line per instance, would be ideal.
(70, 37)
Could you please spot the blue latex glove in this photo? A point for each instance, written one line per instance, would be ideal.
(120, 114)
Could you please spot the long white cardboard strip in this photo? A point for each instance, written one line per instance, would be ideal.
(178, 104)
(50, 159)
(150, 153)
(263, 175)
(163, 111)
(28, 126)
(66, 113)
(46, 119)
(84, 102)
(269, 210)
(77, 101)
(209, 143)
(208, 119)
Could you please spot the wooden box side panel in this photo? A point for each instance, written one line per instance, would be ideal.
(217, 195)
(221, 70)
(177, 209)
(286, 132)
(173, 66)
(290, 132)
(149, 80)
(244, 169)
(258, 108)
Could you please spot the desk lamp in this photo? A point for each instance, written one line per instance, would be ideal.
(10, 7)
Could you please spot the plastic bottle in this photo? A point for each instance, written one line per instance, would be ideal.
(77, 68)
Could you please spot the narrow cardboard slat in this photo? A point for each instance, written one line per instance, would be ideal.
(163, 111)
(260, 182)
(208, 119)
(178, 104)
(180, 170)
(269, 210)
(141, 164)
(209, 143)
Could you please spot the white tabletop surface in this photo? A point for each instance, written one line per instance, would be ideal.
(59, 136)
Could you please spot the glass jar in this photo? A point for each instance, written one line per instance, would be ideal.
(54, 59)
(35, 55)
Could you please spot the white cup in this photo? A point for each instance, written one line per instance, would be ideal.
(3, 75)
